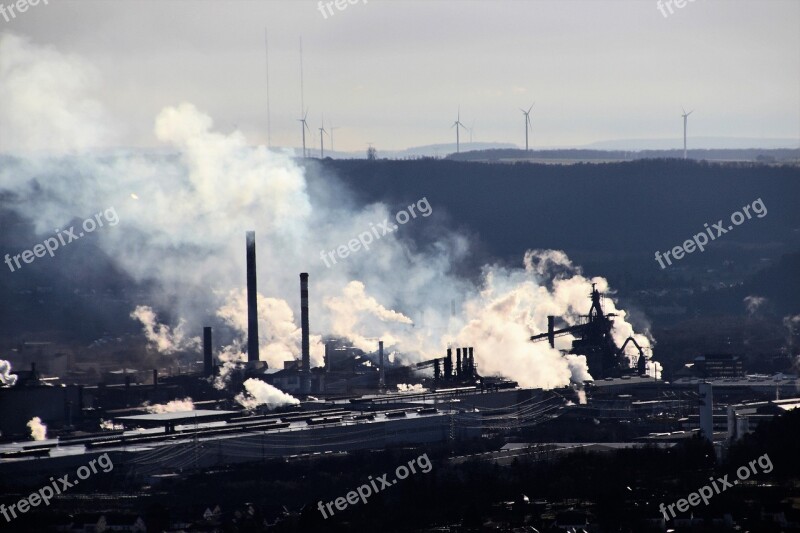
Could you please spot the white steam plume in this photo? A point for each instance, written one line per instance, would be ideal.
(173, 406)
(416, 387)
(161, 337)
(515, 303)
(182, 220)
(7, 379)
(45, 99)
(280, 340)
(354, 312)
(261, 393)
(37, 428)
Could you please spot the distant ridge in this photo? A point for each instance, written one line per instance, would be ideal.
(790, 156)
(697, 143)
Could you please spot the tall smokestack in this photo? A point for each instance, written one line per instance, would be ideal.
(471, 361)
(208, 362)
(551, 338)
(458, 362)
(306, 362)
(252, 305)
(382, 379)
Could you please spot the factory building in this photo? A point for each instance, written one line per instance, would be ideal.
(719, 366)
(745, 418)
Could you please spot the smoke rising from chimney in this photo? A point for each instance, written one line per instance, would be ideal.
(161, 337)
(190, 250)
(7, 379)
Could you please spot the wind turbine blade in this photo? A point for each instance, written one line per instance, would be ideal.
(529, 109)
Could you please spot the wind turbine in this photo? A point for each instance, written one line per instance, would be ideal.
(303, 128)
(269, 119)
(685, 120)
(321, 143)
(456, 125)
(528, 125)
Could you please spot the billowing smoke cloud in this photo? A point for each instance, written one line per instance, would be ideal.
(228, 358)
(355, 312)
(261, 393)
(46, 102)
(404, 387)
(109, 425)
(654, 369)
(581, 396)
(7, 379)
(280, 340)
(37, 428)
(161, 337)
(183, 214)
(513, 303)
(173, 406)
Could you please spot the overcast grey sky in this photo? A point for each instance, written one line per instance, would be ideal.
(394, 72)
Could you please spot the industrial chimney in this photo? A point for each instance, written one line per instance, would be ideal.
(208, 362)
(471, 362)
(306, 362)
(382, 379)
(252, 305)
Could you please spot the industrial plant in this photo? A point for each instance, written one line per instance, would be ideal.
(439, 324)
(225, 413)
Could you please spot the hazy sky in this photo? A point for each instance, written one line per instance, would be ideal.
(395, 72)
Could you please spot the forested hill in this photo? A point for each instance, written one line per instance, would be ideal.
(626, 209)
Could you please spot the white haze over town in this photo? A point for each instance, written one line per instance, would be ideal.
(183, 216)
